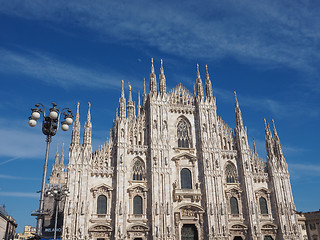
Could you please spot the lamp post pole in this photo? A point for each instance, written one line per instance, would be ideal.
(50, 125)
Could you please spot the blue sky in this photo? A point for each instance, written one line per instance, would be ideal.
(70, 51)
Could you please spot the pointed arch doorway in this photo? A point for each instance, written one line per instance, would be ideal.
(189, 232)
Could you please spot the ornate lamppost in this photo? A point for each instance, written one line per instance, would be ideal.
(50, 125)
(58, 193)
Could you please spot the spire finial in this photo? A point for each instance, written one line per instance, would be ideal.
(254, 146)
(77, 114)
(76, 129)
(152, 67)
(139, 106)
(153, 81)
(88, 115)
(274, 130)
(236, 100)
(198, 72)
(162, 81)
(161, 68)
(209, 94)
(56, 160)
(122, 89)
(62, 155)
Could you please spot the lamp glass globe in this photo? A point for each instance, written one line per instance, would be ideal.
(68, 120)
(35, 115)
(65, 127)
(32, 123)
(53, 115)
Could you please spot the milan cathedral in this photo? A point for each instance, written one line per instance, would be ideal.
(173, 169)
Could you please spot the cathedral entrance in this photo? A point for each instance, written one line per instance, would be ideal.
(189, 232)
(237, 238)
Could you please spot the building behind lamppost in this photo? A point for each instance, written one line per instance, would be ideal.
(27, 233)
(8, 225)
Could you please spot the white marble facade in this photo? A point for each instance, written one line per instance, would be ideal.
(172, 169)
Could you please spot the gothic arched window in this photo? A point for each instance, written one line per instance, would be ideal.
(263, 205)
(268, 238)
(234, 206)
(183, 134)
(231, 173)
(138, 170)
(186, 179)
(137, 205)
(102, 205)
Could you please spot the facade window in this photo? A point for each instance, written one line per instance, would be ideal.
(268, 238)
(186, 179)
(102, 205)
(231, 173)
(137, 205)
(183, 134)
(263, 205)
(138, 170)
(234, 206)
(312, 226)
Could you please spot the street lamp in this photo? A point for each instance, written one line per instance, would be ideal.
(50, 125)
(57, 192)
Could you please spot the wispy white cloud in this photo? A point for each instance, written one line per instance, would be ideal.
(19, 194)
(16, 177)
(274, 33)
(54, 71)
(304, 171)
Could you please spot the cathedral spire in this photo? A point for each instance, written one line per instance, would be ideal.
(75, 139)
(199, 85)
(269, 140)
(209, 94)
(238, 112)
(56, 160)
(153, 80)
(139, 106)
(144, 94)
(254, 146)
(122, 103)
(87, 128)
(130, 106)
(162, 81)
(277, 143)
(62, 156)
